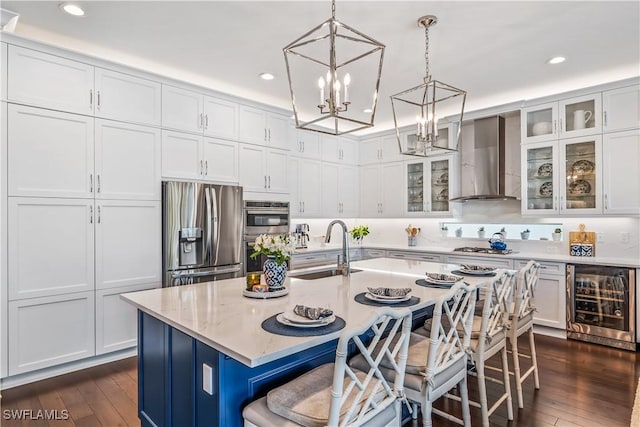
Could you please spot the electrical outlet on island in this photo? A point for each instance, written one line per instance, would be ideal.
(600, 237)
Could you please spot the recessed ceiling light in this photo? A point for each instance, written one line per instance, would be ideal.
(556, 60)
(266, 76)
(72, 9)
(367, 110)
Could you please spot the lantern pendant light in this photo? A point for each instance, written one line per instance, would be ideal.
(334, 77)
(428, 102)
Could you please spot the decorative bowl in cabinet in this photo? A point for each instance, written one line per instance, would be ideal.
(541, 128)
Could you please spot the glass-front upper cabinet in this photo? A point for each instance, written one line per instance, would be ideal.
(562, 176)
(428, 186)
(581, 186)
(568, 118)
(540, 178)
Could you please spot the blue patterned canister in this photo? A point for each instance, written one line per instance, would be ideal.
(274, 274)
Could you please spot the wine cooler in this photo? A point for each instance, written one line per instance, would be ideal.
(601, 305)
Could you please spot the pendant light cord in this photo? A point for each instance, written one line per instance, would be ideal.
(333, 9)
(427, 77)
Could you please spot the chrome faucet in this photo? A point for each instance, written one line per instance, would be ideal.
(343, 265)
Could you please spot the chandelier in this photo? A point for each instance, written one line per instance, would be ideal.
(334, 77)
(427, 103)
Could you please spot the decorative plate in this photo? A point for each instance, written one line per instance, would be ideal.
(442, 279)
(582, 166)
(546, 189)
(477, 270)
(294, 318)
(444, 178)
(387, 300)
(444, 195)
(579, 187)
(546, 169)
(284, 321)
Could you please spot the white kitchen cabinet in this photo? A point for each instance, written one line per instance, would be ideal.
(415, 256)
(306, 187)
(262, 169)
(50, 330)
(567, 118)
(127, 98)
(127, 163)
(52, 153)
(260, 127)
(220, 118)
(429, 185)
(49, 81)
(116, 320)
(190, 111)
(381, 149)
(50, 246)
(4, 54)
(182, 109)
(621, 109)
(127, 243)
(220, 160)
(339, 150)
(181, 155)
(550, 295)
(339, 191)
(305, 144)
(379, 195)
(621, 165)
(193, 157)
(563, 176)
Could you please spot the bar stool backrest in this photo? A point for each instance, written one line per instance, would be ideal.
(524, 298)
(495, 314)
(364, 398)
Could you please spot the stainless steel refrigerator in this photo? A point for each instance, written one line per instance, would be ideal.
(202, 232)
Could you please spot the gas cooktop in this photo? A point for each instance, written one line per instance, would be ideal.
(484, 250)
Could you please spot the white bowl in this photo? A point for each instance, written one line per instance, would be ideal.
(541, 128)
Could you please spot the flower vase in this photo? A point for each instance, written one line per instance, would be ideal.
(413, 240)
(274, 274)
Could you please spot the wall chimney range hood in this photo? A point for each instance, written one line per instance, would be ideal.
(487, 170)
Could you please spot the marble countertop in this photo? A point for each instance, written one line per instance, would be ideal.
(538, 256)
(217, 314)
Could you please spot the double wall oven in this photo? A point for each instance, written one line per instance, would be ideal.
(262, 217)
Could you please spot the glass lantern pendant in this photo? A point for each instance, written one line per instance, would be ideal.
(427, 103)
(334, 77)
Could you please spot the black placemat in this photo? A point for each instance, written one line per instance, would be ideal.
(462, 273)
(422, 282)
(272, 325)
(366, 301)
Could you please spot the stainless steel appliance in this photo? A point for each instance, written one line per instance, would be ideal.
(301, 235)
(262, 217)
(601, 305)
(484, 250)
(202, 232)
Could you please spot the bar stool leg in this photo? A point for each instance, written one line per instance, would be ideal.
(516, 370)
(534, 359)
(414, 411)
(482, 390)
(426, 413)
(507, 385)
(464, 400)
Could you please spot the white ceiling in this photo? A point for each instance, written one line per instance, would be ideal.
(496, 51)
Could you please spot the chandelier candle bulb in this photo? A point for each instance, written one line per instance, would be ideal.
(347, 82)
(321, 86)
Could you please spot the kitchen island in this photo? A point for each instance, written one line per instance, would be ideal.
(203, 355)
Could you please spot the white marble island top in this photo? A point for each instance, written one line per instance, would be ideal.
(218, 315)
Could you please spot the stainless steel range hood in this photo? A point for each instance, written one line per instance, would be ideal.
(487, 170)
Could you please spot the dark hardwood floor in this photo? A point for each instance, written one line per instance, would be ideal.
(581, 385)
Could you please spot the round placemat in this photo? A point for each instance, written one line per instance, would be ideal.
(366, 301)
(272, 325)
(422, 282)
(462, 273)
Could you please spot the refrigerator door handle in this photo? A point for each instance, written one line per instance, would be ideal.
(215, 243)
(207, 243)
(214, 272)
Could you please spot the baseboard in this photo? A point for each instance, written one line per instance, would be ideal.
(550, 332)
(54, 371)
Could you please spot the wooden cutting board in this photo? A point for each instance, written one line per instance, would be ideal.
(582, 237)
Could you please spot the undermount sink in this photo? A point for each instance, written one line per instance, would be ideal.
(319, 274)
